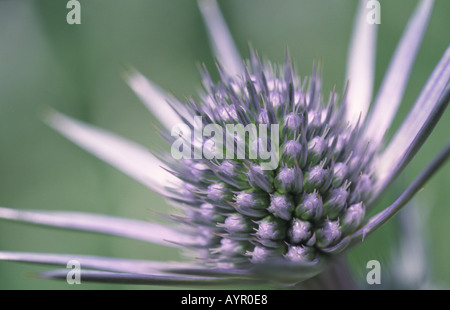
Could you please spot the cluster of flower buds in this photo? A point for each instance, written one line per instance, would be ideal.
(243, 213)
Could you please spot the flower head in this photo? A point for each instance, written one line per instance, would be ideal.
(300, 169)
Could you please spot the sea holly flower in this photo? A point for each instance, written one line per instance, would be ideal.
(244, 220)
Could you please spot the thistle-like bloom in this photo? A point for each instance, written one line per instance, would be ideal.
(242, 221)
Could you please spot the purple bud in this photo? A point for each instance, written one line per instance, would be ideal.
(228, 168)
(292, 154)
(209, 214)
(300, 231)
(316, 150)
(263, 117)
(271, 228)
(292, 124)
(310, 207)
(236, 223)
(363, 188)
(218, 192)
(315, 178)
(336, 201)
(259, 178)
(229, 247)
(292, 121)
(300, 254)
(329, 234)
(340, 172)
(259, 254)
(281, 206)
(353, 217)
(233, 174)
(289, 180)
(252, 199)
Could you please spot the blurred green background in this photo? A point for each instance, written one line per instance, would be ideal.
(77, 69)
